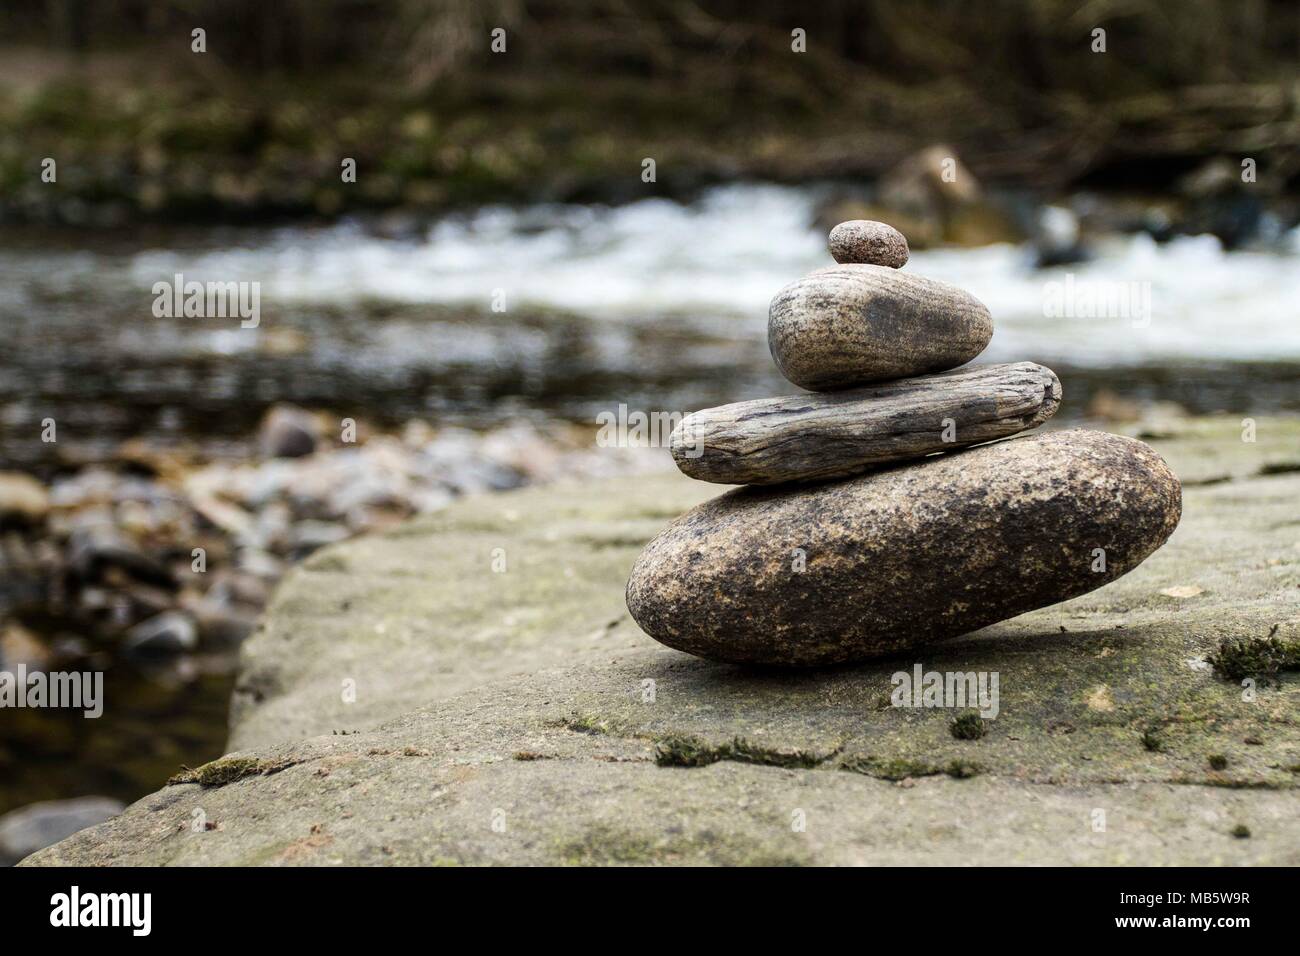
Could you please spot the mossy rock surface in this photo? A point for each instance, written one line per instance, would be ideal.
(520, 717)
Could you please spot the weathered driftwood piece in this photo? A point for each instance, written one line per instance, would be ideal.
(854, 324)
(813, 437)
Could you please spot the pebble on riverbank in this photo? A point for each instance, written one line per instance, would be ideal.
(160, 555)
(23, 499)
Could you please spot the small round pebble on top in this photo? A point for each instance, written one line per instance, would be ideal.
(864, 240)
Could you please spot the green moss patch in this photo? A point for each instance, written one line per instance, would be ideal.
(224, 770)
(582, 724)
(686, 751)
(1262, 658)
(899, 768)
(968, 726)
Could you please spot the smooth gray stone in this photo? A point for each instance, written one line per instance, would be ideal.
(814, 437)
(865, 240)
(171, 632)
(38, 825)
(855, 324)
(875, 565)
(288, 432)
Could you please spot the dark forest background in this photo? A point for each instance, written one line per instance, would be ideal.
(709, 88)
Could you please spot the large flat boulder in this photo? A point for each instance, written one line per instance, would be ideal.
(518, 716)
(495, 587)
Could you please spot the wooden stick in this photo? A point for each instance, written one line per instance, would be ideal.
(834, 434)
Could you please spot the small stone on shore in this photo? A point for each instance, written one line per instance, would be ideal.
(23, 499)
(172, 632)
(288, 432)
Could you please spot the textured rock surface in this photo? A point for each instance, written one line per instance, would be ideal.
(424, 600)
(405, 615)
(811, 437)
(868, 241)
(851, 325)
(874, 565)
(576, 767)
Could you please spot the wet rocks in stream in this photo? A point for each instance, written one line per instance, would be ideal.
(162, 555)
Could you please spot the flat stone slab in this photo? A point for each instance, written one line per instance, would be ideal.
(519, 717)
(561, 768)
(419, 614)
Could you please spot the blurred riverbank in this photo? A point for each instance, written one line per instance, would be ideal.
(152, 564)
(164, 443)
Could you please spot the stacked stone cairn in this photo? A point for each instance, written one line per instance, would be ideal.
(867, 524)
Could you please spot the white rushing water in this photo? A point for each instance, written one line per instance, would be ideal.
(718, 262)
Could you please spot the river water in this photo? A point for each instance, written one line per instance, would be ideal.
(655, 304)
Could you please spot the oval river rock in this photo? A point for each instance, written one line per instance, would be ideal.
(903, 557)
(853, 324)
(865, 240)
